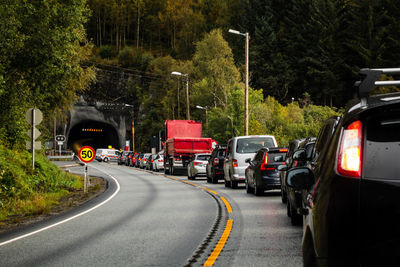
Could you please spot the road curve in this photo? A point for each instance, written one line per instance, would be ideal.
(151, 221)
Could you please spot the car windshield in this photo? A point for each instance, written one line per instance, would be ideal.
(203, 157)
(253, 144)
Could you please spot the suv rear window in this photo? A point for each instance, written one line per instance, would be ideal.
(253, 144)
(382, 149)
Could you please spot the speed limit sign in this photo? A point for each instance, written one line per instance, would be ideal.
(86, 154)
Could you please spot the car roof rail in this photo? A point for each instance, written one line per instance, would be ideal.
(369, 79)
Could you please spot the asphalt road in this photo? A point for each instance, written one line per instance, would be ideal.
(147, 219)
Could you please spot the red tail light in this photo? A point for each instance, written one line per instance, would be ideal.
(195, 163)
(216, 161)
(283, 150)
(160, 160)
(234, 163)
(152, 160)
(349, 160)
(265, 163)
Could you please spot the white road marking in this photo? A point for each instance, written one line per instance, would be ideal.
(69, 219)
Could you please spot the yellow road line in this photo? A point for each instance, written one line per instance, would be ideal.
(228, 206)
(172, 178)
(221, 243)
(186, 182)
(209, 190)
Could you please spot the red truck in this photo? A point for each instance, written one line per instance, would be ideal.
(183, 140)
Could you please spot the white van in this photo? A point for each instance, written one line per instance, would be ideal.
(238, 150)
(105, 154)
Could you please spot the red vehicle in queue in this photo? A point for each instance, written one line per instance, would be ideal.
(183, 140)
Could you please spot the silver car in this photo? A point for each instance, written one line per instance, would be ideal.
(158, 163)
(197, 165)
(143, 162)
(238, 150)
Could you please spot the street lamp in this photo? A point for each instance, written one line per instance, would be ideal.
(187, 91)
(246, 86)
(206, 109)
(133, 127)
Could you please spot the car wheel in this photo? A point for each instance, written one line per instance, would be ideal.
(188, 174)
(214, 180)
(295, 218)
(234, 184)
(283, 196)
(257, 190)
(105, 159)
(248, 188)
(308, 252)
(288, 209)
(166, 170)
(227, 183)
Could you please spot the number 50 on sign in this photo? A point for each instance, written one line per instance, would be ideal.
(86, 154)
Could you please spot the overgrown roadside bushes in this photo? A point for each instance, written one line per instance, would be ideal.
(24, 191)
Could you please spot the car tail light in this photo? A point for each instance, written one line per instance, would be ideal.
(144, 160)
(283, 150)
(349, 160)
(195, 163)
(160, 160)
(216, 161)
(265, 163)
(234, 163)
(152, 160)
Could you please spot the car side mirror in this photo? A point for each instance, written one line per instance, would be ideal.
(247, 160)
(300, 178)
(282, 168)
(300, 155)
(278, 158)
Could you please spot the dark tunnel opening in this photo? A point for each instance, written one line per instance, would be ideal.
(93, 133)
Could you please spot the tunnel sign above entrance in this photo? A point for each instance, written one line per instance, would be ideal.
(86, 154)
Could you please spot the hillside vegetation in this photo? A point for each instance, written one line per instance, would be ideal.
(24, 191)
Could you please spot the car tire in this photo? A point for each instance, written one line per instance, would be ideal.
(248, 188)
(295, 218)
(105, 159)
(214, 180)
(283, 196)
(227, 183)
(234, 184)
(166, 170)
(309, 259)
(257, 190)
(288, 209)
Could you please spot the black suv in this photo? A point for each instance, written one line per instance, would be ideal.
(215, 165)
(351, 190)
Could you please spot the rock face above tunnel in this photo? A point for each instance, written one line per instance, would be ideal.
(98, 125)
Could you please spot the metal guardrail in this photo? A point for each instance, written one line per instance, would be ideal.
(55, 155)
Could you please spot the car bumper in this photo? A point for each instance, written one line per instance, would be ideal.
(271, 182)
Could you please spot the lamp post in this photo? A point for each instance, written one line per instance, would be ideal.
(187, 92)
(206, 109)
(246, 85)
(133, 128)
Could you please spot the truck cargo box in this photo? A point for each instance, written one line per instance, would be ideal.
(182, 128)
(188, 146)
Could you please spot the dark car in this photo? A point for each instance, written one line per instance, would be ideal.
(215, 165)
(128, 158)
(350, 191)
(301, 157)
(122, 157)
(138, 160)
(293, 146)
(262, 173)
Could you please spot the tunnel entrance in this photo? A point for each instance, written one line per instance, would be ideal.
(92, 133)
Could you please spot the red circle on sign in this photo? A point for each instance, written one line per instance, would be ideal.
(86, 154)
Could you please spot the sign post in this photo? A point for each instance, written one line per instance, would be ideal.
(60, 141)
(34, 117)
(86, 154)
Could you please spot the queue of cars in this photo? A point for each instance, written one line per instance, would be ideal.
(343, 185)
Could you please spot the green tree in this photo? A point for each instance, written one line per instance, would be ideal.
(43, 68)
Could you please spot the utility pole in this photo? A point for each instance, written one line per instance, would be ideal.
(187, 98)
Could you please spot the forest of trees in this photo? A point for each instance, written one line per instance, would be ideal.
(51, 51)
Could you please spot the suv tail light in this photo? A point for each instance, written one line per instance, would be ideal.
(234, 163)
(349, 160)
(265, 163)
(195, 163)
(216, 161)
